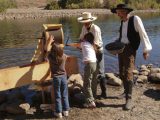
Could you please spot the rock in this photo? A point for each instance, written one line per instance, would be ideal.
(113, 80)
(15, 109)
(145, 73)
(135, 72)
(154, 77)
(25, 106)
(142, 79)
(149, 66)
(75, 84)
(143, 67)
(75, 79)
(155, 70)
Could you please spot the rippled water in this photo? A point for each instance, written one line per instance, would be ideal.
(18, 38)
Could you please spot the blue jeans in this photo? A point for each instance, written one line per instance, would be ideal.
(61, 93)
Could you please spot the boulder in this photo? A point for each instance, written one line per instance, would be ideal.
(144, 67)
(154, 77)
(75, 84)
(135, 72)
(142, 79)
(155, 70)
(113, 80)
(144, 73)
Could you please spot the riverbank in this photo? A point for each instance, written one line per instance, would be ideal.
(41, 13)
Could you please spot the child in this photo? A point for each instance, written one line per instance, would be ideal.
(89, 59)
(57, 61)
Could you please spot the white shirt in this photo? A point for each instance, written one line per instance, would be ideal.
(96, 31)
(88, 52)
(139, 28)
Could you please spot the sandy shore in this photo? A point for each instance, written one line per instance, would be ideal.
(40, 13)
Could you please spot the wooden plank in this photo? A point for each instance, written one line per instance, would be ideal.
(49, 29)
(22, 75)
(75, 45)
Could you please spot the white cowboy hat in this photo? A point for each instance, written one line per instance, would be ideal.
(86, 17)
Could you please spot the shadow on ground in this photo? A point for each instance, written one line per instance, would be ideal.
(154, 94)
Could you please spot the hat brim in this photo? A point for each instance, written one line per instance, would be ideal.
(81, 20)
(113, 10)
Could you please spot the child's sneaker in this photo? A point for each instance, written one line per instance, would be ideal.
(65, 113)
(58, 115)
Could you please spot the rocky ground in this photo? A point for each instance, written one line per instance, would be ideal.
(146, 99)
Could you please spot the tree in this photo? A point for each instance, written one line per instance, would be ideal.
(126, 1)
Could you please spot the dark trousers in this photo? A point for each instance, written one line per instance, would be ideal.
(126, 67)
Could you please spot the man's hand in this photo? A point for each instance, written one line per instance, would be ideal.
(145, 55)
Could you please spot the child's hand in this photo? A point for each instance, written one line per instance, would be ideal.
(51, 38)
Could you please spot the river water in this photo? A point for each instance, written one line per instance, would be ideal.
(18, 38)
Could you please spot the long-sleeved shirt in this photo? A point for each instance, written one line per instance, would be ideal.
(140, 29)
(96, 31)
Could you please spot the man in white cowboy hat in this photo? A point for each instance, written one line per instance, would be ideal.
(87, 20)
(132, 33)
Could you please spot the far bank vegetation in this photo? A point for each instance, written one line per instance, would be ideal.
(81, 4)
(84, 4)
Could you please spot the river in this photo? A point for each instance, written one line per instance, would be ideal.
(19, 37)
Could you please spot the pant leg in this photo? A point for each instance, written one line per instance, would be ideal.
(94, 80)
(129, 56)
(100, 69)
(88, 75)
(121, 61)
(57, 93)
(64, 92)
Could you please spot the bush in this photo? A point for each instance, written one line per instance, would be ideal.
(112, 3)
(73, 6)
(147, 4)
(5, 4)
(52, 5)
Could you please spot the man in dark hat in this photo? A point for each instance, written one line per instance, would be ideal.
(132, 33)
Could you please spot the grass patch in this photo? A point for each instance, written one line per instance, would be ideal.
(5, 4)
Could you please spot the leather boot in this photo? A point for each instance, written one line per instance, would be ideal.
(103, 87)
(128, 104)
(123, 95)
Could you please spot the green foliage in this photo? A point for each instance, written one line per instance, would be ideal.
(5, 4)
(52, 5)
(112, 3)
(90, 4)
(73, 4)
(81, 4)
(144, 4)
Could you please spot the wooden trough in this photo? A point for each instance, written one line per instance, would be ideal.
(38, 69)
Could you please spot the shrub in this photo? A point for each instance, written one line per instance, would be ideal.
(147, 4)
(52, 5)
(5, 4)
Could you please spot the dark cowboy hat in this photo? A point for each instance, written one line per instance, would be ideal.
(121, 6)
